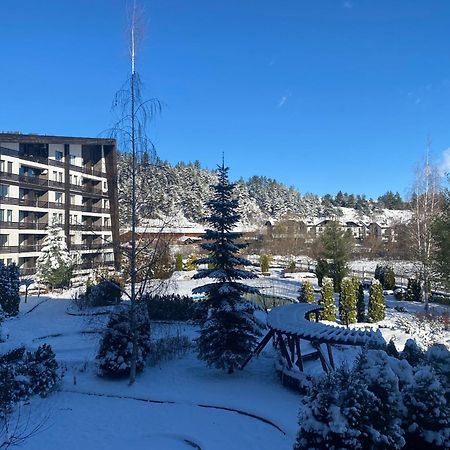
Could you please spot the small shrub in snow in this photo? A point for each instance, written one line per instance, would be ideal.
(306, 293)
(427, 423)
(413, 353)
(385, 275)
(327, 300)
(9, 289)
(322, 270)
(347, 302)
(173, 307)
(391, 349)
(105, 293)
(426, 331)
(376, 306)
(23, 374)
(413, 290)
(114, 356)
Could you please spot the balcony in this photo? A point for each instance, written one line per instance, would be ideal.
(29, 225)
(91, 246)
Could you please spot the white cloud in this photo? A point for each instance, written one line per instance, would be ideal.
(444, 165)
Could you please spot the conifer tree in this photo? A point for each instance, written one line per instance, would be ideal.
(9, 289)
(347, 302)
(327, 300)
(54, 264)
(179, 262)
(306, 293)
(231, 330)
(376, 306)
(361, 304)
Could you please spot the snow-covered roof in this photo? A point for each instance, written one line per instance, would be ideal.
(291, 319)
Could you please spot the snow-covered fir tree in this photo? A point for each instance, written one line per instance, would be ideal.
(231, 329)
(327, 300)
(54, 264)
(376, 306)
(306, 294)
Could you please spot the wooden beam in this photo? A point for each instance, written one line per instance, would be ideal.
(284, 350)
(322, 358)
(299, 362)
(259, 347)
(330, 355)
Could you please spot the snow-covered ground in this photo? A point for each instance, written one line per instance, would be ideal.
(178, 404)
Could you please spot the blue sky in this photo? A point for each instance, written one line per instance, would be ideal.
(322, 95)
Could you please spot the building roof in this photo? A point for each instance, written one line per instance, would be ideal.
(49, 139)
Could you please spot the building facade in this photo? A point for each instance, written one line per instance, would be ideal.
(68, 181)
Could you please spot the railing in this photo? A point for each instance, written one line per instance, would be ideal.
(91, 246)
(31, 225)
(87, 169)
(23, 248)
(9, 249)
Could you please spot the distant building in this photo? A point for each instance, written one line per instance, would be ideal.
(70, 181)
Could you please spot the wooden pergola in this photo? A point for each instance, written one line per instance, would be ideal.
(289, 324)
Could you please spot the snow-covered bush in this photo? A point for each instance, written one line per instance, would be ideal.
(426, 332)
(54, 265)
(385, 275)
(24, 373)
(347, 301)
(306, 293)
(413, 290)
(107, 292)
(173, 307)
(327, 300)
(114, 355)
(381, 403)
(376, 306)
(9, 289)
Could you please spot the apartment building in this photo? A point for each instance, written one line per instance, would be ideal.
(68, 181)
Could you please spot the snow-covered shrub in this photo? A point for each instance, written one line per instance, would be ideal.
(173, 307)
(376, 306)
(306, 293)
(24, 373)
(115, 352)
(327, 300)
(426, 332)
(413, 353)
(54, 265)
(385, 275)
(413, 290)
(322, 270)
(168, 348)
(438, 357)
(105, 293)
(347, 301)
(340, 412)
(9, 289)
(381, 403)
(427, 420)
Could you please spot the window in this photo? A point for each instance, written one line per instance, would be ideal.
(60, 176)
(2, 165)
(106, 222)
(6, 215)
(55, 218)
(58, 197)
(72, 160)
(58, 155)
(105, 203)
(3, 240)
(55, 175)
(72, 199)
(9, 167)
(75, 179)
(60, 218)
(3, 190)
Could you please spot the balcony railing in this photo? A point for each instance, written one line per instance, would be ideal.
(91, 246)
(25, 225)
(22, 248)
(87, 169)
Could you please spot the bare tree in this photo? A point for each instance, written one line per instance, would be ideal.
(424, 207)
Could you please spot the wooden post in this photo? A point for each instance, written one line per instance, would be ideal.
(299, 362)
(259, 347)
(284, 350)
(330, 356)
(322, 357)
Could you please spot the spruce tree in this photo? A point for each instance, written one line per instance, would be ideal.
(376, 306)
(231, 330)
(347, 302)
(361, 304)
(179, 262)
(306, 293)
(327, 300)
(54, 264)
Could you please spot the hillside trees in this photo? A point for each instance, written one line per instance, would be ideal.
(231, 330)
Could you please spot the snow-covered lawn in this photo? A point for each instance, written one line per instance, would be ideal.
(178, 404)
